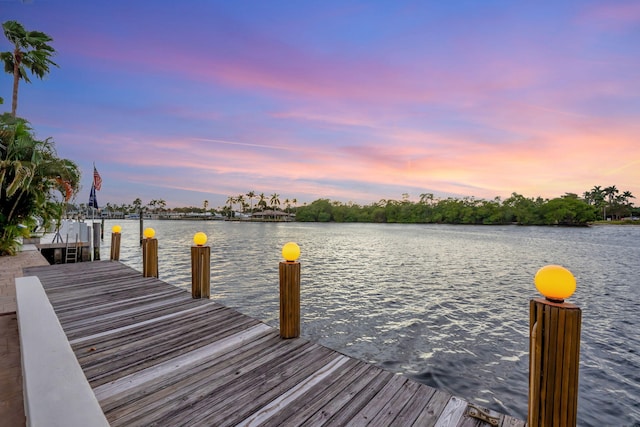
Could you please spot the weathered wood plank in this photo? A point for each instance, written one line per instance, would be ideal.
(101, 368)
(215, 385)
(452, 412)
(314, 399)
(375, 404)
(431, 412)
(185, 361)
(225, 365)
(414, 406)
(284, 397)
(395, 405)
(267, 397)
(334, 398)
(357, 402)
(142, 324)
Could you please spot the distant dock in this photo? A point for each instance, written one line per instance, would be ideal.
(152, 355)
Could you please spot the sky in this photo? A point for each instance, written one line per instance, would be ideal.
(354, 101)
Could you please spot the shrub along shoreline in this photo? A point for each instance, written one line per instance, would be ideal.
(568, 210)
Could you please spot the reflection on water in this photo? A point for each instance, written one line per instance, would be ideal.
(447, 305)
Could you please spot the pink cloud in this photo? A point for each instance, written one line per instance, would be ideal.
(521, 117)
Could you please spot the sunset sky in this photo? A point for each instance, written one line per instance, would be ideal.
(352, 101)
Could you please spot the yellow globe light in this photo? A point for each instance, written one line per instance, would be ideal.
(116, 229)
(291, 251)
(555, 282)
(200, 238)
(149, 233)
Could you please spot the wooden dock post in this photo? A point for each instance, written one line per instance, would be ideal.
(115, 243)
(554, 350)
(290, 292)
(200, 267)
(141, 227)
(96, 241)
(149, 254)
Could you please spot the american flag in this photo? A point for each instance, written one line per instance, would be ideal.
(97, 180)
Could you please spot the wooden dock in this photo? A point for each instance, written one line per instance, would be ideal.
(155, 356)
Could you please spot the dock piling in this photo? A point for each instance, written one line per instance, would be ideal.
(554, 350)
(290, 292)
(149, 254)
(115, 243)
(200, 267)
(96, 240)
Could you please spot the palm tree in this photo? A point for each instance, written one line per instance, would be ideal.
(231, 200)
(275, 201)
(626, 197)
(206, 205)
(262, 201)
(251, 195)
(609, 193)
(240, 201)
(30, 51)
(596, 197)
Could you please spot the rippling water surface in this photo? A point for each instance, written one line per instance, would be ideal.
(446, 305)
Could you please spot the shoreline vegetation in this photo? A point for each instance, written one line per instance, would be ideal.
(597, 206)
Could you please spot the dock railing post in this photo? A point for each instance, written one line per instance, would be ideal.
(149, 254)
(554, 350)
(290, 292)
(115, 243)
(200, 267)
(96, 241)
(141, 227)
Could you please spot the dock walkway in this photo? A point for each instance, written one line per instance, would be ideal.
(155, 356)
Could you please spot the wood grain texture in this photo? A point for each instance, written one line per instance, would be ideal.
(289, 299)
(554, 363)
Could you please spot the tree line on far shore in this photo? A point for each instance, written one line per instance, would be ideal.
(234, 204)
(569, 209)
(599, 203)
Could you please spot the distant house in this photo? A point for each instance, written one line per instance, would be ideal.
(272, 215)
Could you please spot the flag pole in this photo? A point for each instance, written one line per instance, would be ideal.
(96, 185)
(93, 191)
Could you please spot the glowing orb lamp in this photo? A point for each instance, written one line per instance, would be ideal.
(149, 233)
(116, 229)
(555, 282)
(291, 251)
(200, 238)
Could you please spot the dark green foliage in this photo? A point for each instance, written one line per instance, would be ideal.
(517, 209)
(31, 52)
(31, 175)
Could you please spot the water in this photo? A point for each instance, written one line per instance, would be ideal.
(446, 305)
